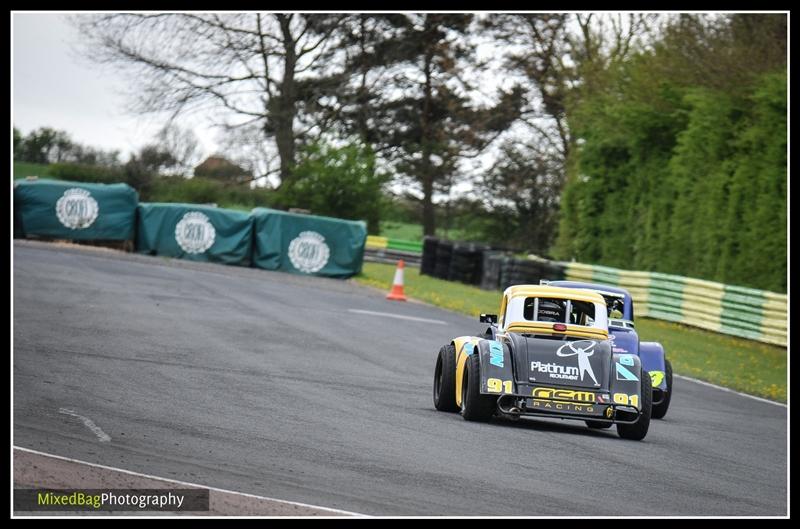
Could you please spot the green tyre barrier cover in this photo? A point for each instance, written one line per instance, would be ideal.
(76, 211)
(307, 244)
(194, 232)
(19, 233)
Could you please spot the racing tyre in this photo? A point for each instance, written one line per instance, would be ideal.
(599, 425)
(444, 380)
(638, 430)
(660, 409)
(474, 405)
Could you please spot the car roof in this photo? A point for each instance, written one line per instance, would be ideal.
(593, 286)
(611, 289)
(554, 292)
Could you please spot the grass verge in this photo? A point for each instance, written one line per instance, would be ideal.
(24, 169)
(413, 232)
(401, 230)
(740, 364)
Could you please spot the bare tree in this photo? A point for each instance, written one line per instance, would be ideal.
(183, 147)
(538, 49)
(560, 53)
(721, 50)
(247, 147)
(559, 56)
(241, 69)
(406, 91)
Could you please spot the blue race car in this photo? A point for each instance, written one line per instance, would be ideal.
(625, 340)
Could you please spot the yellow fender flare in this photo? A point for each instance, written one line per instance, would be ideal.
(464, 346)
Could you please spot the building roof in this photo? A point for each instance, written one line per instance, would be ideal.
(218, 163)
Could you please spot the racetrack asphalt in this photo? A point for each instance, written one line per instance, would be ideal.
(265, 383)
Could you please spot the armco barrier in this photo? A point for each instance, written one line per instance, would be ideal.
(389, 256)
(406, 246)
(746, 312)
(375, 242)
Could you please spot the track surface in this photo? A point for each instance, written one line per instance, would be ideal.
(264, 383)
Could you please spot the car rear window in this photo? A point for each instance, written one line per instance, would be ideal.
(559, 311)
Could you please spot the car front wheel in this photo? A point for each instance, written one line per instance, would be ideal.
(660, 409)
(444, 380)
(638, 430)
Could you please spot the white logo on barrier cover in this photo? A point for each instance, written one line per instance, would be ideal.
(76, 209)
(194, 233)
(308, 252)
(583, 356)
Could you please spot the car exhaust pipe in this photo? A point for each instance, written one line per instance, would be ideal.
(510, 399)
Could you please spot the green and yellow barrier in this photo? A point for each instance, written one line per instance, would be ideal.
(746, 312)
(383, 243)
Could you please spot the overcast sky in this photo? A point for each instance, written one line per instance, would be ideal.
(53, 86)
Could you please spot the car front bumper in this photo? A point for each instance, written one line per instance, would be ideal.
(524, 405)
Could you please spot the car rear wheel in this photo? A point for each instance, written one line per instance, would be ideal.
(444, 380)
(599, 425)
(638, 430)
(474, 405)
(660, 409)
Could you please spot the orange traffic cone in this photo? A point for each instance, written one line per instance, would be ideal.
(397, 287)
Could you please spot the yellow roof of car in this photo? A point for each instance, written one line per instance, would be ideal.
(545, 291)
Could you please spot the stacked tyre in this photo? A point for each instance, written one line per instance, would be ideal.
(444, 254)
(507, 273)
(490, 274)
(466, 263)
(429, 248)
(520, 272)
(552, 271)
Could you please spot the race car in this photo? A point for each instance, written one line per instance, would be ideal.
(624, 339)
(547, 355)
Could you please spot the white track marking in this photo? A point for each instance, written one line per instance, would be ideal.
(101, 435)
(729, 390)
(186, 483)
(398, 316)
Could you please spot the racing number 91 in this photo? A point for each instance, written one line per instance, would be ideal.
(495, 385)
(622, 398)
